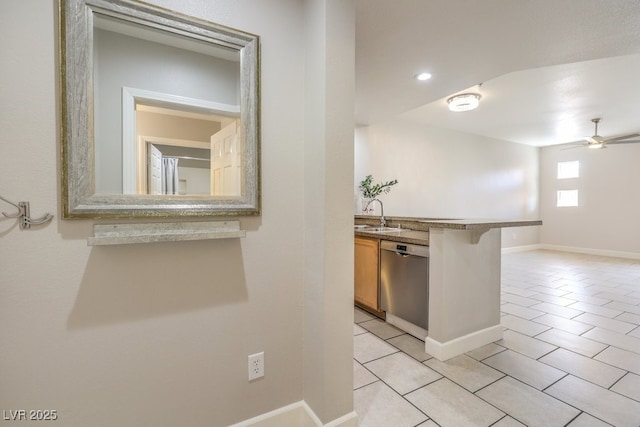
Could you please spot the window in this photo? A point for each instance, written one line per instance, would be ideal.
(567, 198)
(568, 169)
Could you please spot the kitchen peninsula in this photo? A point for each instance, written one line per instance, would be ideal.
(464, 261)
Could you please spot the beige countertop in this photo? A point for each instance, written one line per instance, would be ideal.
(470, 224)
(416, 230)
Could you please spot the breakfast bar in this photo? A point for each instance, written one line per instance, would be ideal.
(463, 279)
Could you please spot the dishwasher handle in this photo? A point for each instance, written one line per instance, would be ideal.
(404, 249)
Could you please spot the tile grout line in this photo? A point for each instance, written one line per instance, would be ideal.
(401, 395)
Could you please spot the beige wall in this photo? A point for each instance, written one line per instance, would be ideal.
(158, 334)
(175, 127)
(606, 219)
(328, 156)
(448, 174)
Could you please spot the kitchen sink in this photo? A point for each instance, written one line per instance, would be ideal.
(381, 229)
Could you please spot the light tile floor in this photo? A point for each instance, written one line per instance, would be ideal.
(570, 355)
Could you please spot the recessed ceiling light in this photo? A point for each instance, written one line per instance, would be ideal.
(422, 76)
(464, 102)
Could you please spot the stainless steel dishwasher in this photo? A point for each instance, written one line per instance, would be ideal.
(404, 282)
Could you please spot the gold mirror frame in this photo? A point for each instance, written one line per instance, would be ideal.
(79, 199)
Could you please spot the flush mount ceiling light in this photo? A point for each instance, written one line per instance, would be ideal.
(422, 76)
(464, 102)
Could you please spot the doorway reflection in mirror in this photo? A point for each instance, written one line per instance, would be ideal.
(208, 164)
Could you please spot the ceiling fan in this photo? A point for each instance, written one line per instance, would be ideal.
(597, 141)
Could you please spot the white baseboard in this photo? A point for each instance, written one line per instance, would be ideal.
(572, 249)
(297, 414)
(589, 251)
(524, 248)
(460, 345)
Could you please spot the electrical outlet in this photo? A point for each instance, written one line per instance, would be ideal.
(256, 366)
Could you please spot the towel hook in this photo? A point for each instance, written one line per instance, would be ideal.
(24, 219)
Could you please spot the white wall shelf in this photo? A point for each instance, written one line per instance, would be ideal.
(121, 234)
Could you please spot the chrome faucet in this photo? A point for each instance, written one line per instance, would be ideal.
(382, 220)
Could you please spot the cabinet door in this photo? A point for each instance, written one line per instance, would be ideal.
(367, 268)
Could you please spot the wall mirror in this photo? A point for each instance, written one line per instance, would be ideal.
(159, 113)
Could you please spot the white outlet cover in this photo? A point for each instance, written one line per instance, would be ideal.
(256, 366)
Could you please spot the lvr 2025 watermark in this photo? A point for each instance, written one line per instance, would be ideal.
(29, 414)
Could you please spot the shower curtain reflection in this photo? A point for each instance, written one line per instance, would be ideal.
(170, 178)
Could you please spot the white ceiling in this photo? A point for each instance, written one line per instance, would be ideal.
(547, 67)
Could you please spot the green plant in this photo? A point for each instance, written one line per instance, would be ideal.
(371, 190)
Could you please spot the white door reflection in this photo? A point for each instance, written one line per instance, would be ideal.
(225, 161)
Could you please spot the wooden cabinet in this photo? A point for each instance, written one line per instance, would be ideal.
(367, 274)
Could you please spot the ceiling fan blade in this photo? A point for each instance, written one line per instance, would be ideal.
(620, 138)
(628, 141)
